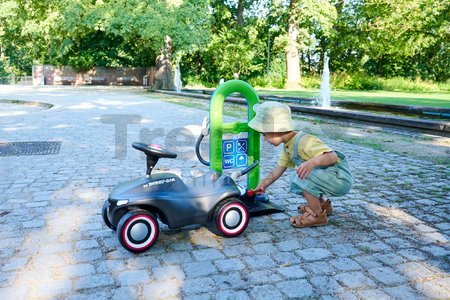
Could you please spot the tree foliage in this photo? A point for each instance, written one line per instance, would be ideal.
(86, 33)
(220, 38)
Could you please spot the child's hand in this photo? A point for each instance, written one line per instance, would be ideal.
(305, 169)
(260, 189)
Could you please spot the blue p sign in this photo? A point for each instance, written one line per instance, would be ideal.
(228, 147)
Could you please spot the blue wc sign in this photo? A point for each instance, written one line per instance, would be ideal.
(234, 153)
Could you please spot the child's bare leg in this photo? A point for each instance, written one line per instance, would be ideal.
(313, 202)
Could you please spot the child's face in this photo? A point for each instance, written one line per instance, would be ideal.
(274, 138)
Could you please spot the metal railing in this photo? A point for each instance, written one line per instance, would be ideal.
(16, 80)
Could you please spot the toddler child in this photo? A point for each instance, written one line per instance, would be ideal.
(321, 172)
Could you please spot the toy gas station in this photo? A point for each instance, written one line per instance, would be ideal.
(236, 146)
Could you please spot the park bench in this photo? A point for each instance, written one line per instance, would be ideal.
(128, 80)
(64, 80)
(96, 80)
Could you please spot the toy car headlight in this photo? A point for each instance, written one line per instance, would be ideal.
(122, 202)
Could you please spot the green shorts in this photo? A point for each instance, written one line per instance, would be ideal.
(331, 181)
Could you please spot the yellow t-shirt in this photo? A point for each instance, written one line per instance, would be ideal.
(309, 147)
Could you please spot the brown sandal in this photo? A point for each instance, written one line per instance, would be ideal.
(309, 219)
(325, 205)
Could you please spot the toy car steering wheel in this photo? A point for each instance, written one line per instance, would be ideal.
(154, 150)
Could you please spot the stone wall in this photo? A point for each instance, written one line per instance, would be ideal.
(52, 75)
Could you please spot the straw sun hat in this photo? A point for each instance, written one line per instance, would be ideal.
(271, 117)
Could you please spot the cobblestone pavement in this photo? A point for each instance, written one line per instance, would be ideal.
(387, 239)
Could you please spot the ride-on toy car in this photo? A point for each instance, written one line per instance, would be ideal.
(133, 207)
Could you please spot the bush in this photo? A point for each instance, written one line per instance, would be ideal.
(356, 81)
(359, 81)
(445, 86)
(312, 82)
(403, 84)
(260, 81)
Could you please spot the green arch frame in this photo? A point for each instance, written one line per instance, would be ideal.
(218, 128)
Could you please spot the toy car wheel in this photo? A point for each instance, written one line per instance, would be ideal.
(105, 215)
(231, 218)
(138, 231)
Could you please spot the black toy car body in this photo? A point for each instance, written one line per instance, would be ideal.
(133, 207)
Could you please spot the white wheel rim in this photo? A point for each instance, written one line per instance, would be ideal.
(231, 212)
(135, 227)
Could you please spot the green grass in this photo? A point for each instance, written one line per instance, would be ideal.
(430, 99)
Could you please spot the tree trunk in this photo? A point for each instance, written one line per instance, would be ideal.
(240, 13)
(163, 75)
(292, 55)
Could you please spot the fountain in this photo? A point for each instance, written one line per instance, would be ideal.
(325, 89)
(177, 78)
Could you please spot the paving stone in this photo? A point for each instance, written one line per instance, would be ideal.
(56, 248)
(435, 289)
(387, 276)
(292, 272)
(289, 245)
(133, 277)
(87, 244)
(229, 281)
(412, 254)
(197, 269)
(207, 254)
(283, 258)
(319, 268)
(259, 237)
(354, 280)
(232, 264)
(347, 296)
(162, 290)
(198, 297)
(401, 292)
(78, 270)
(296, 288)
(93, 281)
(367, 261)
(345, 264)
(232, 295)
(344, 250)
(398, 243)
(14, 264)
(34, 224)
(415, 270)
(391, 259)
(197, 286)
(376, 246)
(443, 226)
(326, 285)
(128, 292)
(434, 238)
(264, 248)
(176, 258)
(87, 255)
(238, 251)
(259, 262)
(311, 242)
(266, 292)
(181, 246)
(110, 265)
(313, 254)
(373, 294)
(169, 273)
(52, 289)
(261, 277)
